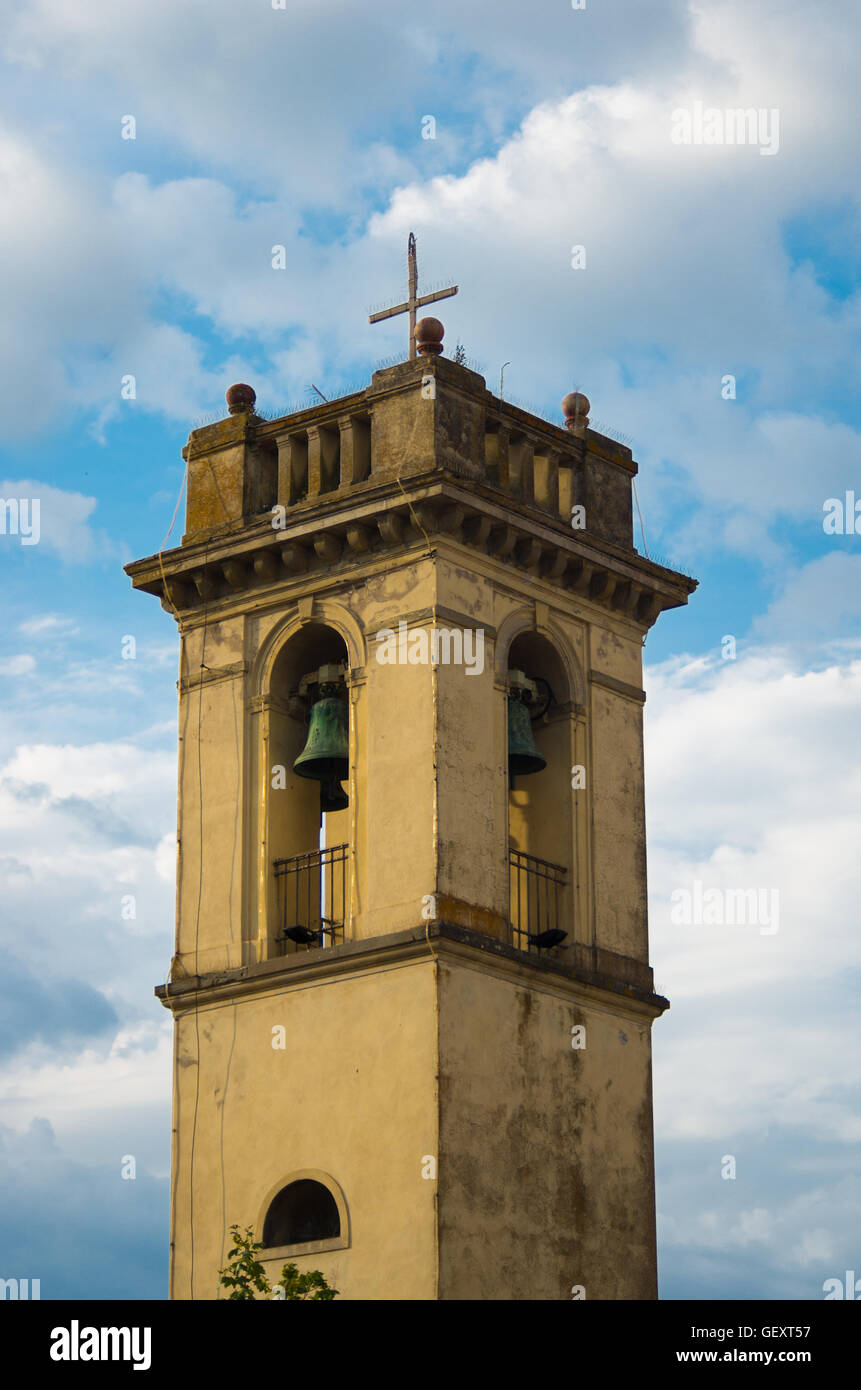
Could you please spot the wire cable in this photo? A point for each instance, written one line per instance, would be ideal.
(640, 515)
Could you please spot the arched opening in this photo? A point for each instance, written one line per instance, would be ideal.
(540, 802)
(308, 820)
(302, 1212)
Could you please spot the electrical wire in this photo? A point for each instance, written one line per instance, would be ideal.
(175, 1094)
(640, 515)
(203, 667)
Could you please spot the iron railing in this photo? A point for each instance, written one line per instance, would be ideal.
(535, 898)
(311, 895)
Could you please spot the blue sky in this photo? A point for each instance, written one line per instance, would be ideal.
(302, 127)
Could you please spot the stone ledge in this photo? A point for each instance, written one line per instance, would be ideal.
(620, 977)
(347, 533)
(630, 692)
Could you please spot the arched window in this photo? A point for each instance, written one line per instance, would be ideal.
(541, 801)
(304, 770)
(303, 1211)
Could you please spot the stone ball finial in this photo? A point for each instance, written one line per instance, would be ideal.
(240, 398)
(429, 335)
(575, 408)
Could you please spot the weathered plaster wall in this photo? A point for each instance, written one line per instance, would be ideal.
(210, 821)
(546, 1172)
(619, 824)
(352, 1094)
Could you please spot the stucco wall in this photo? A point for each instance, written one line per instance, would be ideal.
(352, 1094)
(619, 824)
(546, 1170)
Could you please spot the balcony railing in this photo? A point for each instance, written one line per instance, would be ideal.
(535, 898)
(311, 897)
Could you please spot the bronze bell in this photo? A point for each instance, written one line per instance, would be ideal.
(523, 755)
(325, 755)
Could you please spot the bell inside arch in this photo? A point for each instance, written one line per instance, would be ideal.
(523, 755)
(325, 757)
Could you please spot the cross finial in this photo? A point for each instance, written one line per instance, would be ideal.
(414, 301)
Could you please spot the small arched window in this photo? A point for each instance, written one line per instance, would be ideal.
(303, 1211)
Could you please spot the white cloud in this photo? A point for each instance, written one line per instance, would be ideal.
(131, 1072)
(63, 520)
(165, 858)
(97, 770)
(723, 740)
(83, 828)
(22, 665)
(749, 786)
(817, 603)
(49, 624)
(313, 97)
(703, 288)
(802, 1227)
(133, 1065)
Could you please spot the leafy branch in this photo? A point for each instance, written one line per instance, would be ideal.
(243, 1274)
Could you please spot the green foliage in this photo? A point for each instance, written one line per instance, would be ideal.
(460, 355)
(244, 1274)
(296, 1285)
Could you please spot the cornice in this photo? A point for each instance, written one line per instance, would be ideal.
(208, 675)
(433, 942)
(630, 692)
(347, 529)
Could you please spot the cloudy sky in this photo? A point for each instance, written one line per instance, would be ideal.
(303, 127)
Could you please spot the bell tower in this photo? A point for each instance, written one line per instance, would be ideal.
(411, 987)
